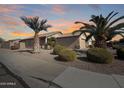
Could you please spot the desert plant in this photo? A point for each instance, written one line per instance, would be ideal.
(67, 55)
(99, 55)
(120, 53)
(51, 42)
(57, 49)
(36, 25)
(115, 46)
(102, 29)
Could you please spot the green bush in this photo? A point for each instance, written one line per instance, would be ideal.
(99, 55)
(118, 46)
(57, 49)
(51, 42)
(67, 55)
(120, 53)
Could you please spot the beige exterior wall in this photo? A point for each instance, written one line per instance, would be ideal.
(82, 43)
(70, 42)
(74, 42)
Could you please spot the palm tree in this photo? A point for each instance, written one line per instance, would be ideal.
(36, 25)
(102, 28)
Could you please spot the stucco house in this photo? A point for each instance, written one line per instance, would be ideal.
(68, 40)
(8, 44)
(42, 37)
(72, 41)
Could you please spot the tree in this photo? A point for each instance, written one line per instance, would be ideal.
(102, 28)
(1, 40)
(52, 41)
(36, 25)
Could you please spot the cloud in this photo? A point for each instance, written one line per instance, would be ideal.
(21, 34)
(60, 23)
(72, 28)
(1, 32)
(64, 26)
(94, 6)
(58, 9)
(9, 22)
(9, 8)
(14, 23)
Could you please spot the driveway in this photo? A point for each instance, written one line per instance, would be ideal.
(37, 72)
(30, 68)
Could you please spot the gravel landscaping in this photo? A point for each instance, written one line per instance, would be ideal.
(117, 67)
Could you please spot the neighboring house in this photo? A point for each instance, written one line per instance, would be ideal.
(5, 44)
(10, 43)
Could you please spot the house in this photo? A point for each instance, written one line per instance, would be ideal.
(68, 40)
(73, 41)
(8, 44)
(28, 42)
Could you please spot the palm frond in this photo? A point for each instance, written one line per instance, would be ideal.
(76, 31)
(121, 34)
(78, 22)
(83, 31)
(35, 23)
(46, 26)
(110, 16)
(89, 37)
(117, 27)
(117, 32)
(111, 23)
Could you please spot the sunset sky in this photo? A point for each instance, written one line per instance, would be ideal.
(61, 17)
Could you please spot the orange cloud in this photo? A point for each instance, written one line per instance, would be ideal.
(1, 30)
(22, 34)
(64, 26)
(60, 23)
(58, 9)
(72, 28)
(14, 23)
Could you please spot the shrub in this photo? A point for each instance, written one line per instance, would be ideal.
(99, 55)
(120, 53)
(51, 42)
(67, 55)
(57, 49)
(116, 46)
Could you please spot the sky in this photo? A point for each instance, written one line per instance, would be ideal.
(61, 17)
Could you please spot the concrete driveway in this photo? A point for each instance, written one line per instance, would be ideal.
(40, 73)
(29, 67)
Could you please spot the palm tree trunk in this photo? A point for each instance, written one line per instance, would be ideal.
(36, 48)
(100, 43)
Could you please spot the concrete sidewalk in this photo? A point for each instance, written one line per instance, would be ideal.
(40, 73)
(76, 78)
